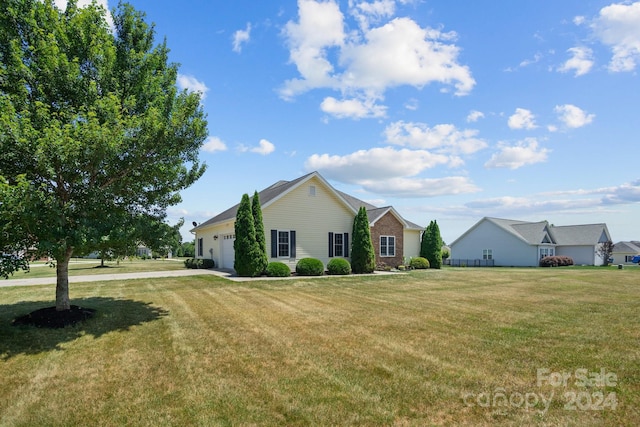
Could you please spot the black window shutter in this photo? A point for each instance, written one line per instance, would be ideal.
(330, 245)
(274, 243)
(292, 244)
(346, 245)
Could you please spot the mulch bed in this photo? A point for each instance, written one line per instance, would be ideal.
(51, 318)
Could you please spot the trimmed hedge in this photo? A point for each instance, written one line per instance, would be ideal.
(338, 266)
(278, 269)
(419, 263)
(310, 267)
(556, 261)
(199, 263)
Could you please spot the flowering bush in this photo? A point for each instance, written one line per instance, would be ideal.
(556, 261)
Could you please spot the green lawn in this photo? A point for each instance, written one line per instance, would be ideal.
(449, 347)
(85, 267)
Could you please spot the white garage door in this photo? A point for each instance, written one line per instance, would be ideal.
(228, 254)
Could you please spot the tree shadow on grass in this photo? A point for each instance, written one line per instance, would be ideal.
(110, 315)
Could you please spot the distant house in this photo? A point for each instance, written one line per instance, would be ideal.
(624, 251)
(506, 242)
(307, 217)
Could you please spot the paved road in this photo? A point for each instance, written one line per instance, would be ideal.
(150, 275)
(120, 276)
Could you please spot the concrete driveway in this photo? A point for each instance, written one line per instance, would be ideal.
(121, 276)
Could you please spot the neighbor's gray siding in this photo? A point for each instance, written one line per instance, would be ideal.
(580, 254)
(508, 250)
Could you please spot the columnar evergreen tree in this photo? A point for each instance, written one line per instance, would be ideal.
(261, 238)
(247, 252)
(363, 257)
(91, 123)
(431, 246)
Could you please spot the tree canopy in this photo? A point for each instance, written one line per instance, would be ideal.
(93, 130)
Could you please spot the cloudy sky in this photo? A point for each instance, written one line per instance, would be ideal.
(446, 109)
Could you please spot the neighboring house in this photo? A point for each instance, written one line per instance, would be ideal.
(144, 251)
(508, 242)
(623, 252)
(307, 217)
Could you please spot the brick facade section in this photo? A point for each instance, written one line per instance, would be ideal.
(388, 225)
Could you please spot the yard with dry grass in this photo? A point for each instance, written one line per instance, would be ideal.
(447, 347)
(89, 267)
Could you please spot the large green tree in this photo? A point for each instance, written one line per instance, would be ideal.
(363, 257)
(431, 246)
(247, 262)
(261, 238)
(92, 123)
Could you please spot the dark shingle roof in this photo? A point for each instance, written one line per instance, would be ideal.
(274, 191)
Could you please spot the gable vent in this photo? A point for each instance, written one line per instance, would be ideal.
(312, 190)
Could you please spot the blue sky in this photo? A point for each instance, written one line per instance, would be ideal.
(446, 109)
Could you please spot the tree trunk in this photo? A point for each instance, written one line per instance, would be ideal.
(62, 281)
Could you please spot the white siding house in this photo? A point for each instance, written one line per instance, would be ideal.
(303, 218)
(522, 244)
(623, 252)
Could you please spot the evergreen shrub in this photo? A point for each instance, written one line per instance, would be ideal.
(419, 263)
(278, 269)
(310, 267)
(338, 266)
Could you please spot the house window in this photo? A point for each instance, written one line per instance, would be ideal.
(338, 245)
(628, 258)
(283, 244)
(387, 246)
(487, 254)
(544, 252)
(312, 190)
(200, 251)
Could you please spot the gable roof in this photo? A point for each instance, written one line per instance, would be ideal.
(536, 233)
(588, 234)
(631, 246)
(279, 189)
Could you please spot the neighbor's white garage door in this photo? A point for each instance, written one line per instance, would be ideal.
(228, 254)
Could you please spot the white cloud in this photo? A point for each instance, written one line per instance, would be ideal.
(240, 37)
(524, 153)
(380, 163)
(352, 108)
(62, 5)
(572, 116)
(442, 138)
(213, 144)
(508, 205)
(548, 203)
(421, 187)
(579, 20)
(536, 58)
(618, 26)
(403, 53)
(367, 13)
(264, 147)
(522, 119)
(319, 28)
(362, 64)
(192, 84)
(392, 172)
(474, 116)
(580, 62)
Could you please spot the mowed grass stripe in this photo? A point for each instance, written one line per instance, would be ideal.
(334, 351)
